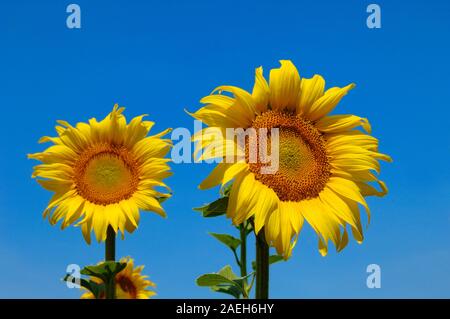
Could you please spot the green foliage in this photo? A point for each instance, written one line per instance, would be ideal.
(226, 190)
(162, 199)
(275, 258)
(225, 281)
(248, 228)
(230, 241)
(106, 272)
(97, 290)
(272, 260)
(215, 208)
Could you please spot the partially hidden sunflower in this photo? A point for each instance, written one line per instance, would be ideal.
(130, 283)
(326, 164)
(103, 173)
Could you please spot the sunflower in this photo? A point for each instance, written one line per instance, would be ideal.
(327, 165)
(103, 173)
(130, 283)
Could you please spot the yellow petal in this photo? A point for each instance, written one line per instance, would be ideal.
(272, 228)
(247, 196)
(148, 203)
(349, 190)
(56, 186)
(344, 241)
(318, 217)
(86, 229)
(284, 87)
(327, 102)
(323, 247)
(297, 219)
(241, 194)
(265, 206)
(244, 101)
(99, 222)
(351, 138)
(310, 91)
(74, 211)
(286, 230)
(222, 174)
(369, 190)
(340, 123)
(261, 91)
(131, 211)
(137, 130)
(213, 117)
(357, 234)
(224, 106)
(112, 214)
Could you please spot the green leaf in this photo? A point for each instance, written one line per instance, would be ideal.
(224, 281)
(105, 271)
(210, 280)
(223, 276)
(216, 208)
(272, 260)
(96, 289)
(227, 189)
(230, 290)
(228, 240)
(162, 199)
(275, 258)
(228, 273)
(248, 228)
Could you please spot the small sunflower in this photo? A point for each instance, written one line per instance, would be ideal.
(103, 173)
(130, 283)
(326, 165)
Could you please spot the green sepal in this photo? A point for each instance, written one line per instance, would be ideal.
(272, 260)
(215, 208)
(230, 241)
(95, 288)
(224, 281)
(162, 199)
(105, 271)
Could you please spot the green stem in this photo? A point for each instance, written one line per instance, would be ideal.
(110, 255)
(110, 245)
(262, 266)
(243, 259)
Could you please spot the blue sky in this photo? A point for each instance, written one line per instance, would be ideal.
(161, 57)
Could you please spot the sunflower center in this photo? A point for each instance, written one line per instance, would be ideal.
(106, 174)
(303, 163)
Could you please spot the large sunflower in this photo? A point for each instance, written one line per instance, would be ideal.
(326, 165)
(130, 283)
(103, 173)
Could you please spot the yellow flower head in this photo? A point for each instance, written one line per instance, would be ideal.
(103, 173)
(326, 166)
(130, 283)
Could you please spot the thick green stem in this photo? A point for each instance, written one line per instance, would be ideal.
(262, 267)
(243, 259)
(110, 245)
(110, 255)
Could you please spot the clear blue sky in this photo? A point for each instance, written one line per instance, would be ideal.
(162, 57)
